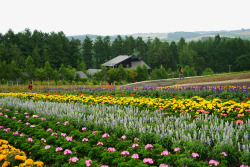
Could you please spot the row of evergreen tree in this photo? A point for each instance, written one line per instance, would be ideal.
(56, 48)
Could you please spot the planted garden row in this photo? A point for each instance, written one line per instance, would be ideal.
(62, 144)
(206, 134)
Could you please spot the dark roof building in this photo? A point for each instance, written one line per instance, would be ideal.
(126, 61)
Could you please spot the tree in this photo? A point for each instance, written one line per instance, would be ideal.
(98, 49)
(55, 76)
(112, 75)
(40, 74)
(48, 70)
(81, 66)
(186, 56)
(131, 75)
(70, 73)
(129, 45)
(106, 49)
(29, 67)
(142, 73)
(4, 74)
(174, 57)
(242, 62)
(122, 74)
(117, 47)
(36, 57)
(181, 44)
(159, 73)
(87, 51)
(62, 72)
(14, 72)
(77, 78)
(207, 71)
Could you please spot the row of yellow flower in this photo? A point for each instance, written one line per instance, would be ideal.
(178, 105)
(9, 154)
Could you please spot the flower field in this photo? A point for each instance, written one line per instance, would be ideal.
(136, 127)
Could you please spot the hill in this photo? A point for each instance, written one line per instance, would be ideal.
(175, 36)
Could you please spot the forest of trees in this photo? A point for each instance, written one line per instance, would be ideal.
(33, 51)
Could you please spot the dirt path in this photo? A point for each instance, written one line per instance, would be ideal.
(194, 81)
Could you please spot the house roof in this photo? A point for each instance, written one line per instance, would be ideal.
(116, 60)
(82, 74)
(92, 71)
(134, 64)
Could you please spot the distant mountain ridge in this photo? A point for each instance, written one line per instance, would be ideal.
(175, 36)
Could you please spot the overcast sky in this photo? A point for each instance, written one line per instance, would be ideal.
(112, 17)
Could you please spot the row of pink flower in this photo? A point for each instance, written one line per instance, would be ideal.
(110, 149)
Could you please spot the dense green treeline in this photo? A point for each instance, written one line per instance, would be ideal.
(57, 49)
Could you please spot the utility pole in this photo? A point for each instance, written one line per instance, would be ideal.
(229, 66)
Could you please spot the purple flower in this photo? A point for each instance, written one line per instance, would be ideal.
(27, 123)
(66, 122)
(14, 118)
(22, 134)
(6, 116)
(32, 126)
(83, 129)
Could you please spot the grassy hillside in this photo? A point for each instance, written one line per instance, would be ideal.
(175, 36)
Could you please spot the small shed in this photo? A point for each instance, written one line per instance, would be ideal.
(92, 71)
(82, 74)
